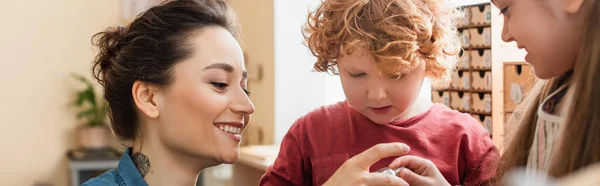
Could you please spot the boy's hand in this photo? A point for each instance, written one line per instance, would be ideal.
(355, 171)
(419, 171)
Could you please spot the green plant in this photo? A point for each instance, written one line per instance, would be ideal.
(92, 109)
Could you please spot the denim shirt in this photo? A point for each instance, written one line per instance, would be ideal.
(126, 174)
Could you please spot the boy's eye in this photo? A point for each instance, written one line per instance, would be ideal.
(397, 76)
(357, 74)
(219, 85)
(247, 92)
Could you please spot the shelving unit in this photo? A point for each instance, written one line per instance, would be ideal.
(471, 88)
(500, 55)
(518, 80)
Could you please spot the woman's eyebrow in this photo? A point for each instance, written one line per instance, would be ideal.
(224, 66)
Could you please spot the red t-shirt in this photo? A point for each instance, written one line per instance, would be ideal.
(318, 143)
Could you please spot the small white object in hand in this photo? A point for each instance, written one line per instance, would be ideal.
(390, 171)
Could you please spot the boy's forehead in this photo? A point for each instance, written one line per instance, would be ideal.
(365, 61)
(358, 55)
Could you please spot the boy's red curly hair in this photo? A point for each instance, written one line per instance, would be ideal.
(398, 33)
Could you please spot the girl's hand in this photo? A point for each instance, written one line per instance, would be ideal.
(355, 171)
(586, 176)
(418, 171)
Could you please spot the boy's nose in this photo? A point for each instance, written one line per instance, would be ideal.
(376, 93)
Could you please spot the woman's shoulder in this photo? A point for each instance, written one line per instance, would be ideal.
(126, 174)
(108, 178)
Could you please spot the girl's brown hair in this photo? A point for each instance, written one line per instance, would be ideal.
(579, 144)
(398, 33)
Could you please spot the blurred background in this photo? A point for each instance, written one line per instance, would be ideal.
(43, 43)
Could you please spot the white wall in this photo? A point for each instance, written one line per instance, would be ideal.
(297, 89)
(41, 43)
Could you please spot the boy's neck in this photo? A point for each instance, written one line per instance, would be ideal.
(420, 106)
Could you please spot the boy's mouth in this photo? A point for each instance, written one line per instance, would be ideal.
(381, 110)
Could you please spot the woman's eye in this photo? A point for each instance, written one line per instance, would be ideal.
(247, 92)
(219, 85)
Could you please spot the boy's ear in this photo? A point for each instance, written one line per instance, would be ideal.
(573, 6)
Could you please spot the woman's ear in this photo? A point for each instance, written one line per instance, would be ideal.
(144, 98)
(573, 6)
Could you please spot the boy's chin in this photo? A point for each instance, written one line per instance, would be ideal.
(381, 120)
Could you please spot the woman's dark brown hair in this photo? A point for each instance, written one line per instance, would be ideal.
(147, 50)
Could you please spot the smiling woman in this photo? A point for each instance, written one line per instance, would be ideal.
(176, 85)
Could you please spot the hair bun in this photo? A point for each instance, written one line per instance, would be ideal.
(108, 45)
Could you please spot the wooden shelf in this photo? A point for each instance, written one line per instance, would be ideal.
(457, 90)
(481, 113)
(466, 90)
(463, 111)
(474, 26)
(481, 91)
(481, 69)
(477, 47)
(474, 112)
(474, 69)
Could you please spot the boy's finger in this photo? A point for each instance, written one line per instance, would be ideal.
(415, 164)
(378, 152)
(410, 177)
(377, 178)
